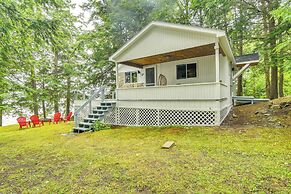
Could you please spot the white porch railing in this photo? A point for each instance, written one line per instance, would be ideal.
(86, 107)
(196, 91)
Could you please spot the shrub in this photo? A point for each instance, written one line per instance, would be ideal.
(98, 125)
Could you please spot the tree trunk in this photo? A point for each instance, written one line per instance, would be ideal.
(240, 50)
(281, 82)
(267, 76)
(281, 73)
(266, 55)
(34, 93)
(56, 92)
(274, 82)
(274, 67)
(43, 109)
(201, 17)
(56, 105)
(68, 97)
(239, 91)
(43, 102)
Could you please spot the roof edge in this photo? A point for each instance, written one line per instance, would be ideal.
(216, 32)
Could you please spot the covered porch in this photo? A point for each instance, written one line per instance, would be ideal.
(175, 74)
(165, 60)
(200, 73)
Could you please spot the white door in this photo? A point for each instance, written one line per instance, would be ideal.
(150, 76)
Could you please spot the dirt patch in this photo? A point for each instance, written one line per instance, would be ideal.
(276, 113)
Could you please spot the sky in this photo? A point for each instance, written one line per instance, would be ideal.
(78, 10)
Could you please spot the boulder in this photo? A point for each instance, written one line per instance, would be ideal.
(276, 107)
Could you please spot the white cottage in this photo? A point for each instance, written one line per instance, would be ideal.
(171, 74)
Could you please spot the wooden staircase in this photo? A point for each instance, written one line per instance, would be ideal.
(97, 113)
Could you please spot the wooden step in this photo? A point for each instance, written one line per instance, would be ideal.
(90, 120)
(102, 108)
(85, 124)
(80, 129)
(99, 111)
(107, 103)
(96, 116)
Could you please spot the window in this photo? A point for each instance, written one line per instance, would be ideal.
(186, 71)
(130, 77)
(150, 76)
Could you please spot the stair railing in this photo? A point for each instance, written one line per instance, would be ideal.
(85, 109)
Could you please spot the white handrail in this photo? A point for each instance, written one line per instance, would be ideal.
(101, 92)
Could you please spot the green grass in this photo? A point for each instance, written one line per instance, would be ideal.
(129, 160)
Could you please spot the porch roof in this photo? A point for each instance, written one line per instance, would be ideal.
(252, 59)
(162, 42)
(198, 51)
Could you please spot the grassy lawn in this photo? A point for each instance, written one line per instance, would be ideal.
(129, 160)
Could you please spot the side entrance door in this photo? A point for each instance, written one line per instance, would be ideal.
(150, 74)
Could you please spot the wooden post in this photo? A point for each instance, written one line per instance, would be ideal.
(216, 48)
(116, 80)
(217, 80)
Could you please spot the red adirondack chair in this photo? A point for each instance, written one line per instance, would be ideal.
(22, 122)
(68, 118)
(35, 121)
(57, 117)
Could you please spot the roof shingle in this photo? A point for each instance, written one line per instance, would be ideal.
(247, 58)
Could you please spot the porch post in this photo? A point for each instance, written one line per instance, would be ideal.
(217, 80)
(116, 79)
(216, 48)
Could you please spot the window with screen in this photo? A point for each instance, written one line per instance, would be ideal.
(185, 71)
(130, 77)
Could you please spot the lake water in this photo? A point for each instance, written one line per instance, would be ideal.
(9, 120)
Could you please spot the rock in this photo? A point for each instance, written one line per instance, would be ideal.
(279, 125)
(272, 119)
(261, 111)
(168, 144)
(284, 104)
(264, 111)
(234, 115)
(275, 106)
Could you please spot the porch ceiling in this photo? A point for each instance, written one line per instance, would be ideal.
(199, 51)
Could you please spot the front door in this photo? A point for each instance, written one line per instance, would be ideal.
(150, 75)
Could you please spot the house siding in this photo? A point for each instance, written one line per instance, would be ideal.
(205, 70)
(162, 40)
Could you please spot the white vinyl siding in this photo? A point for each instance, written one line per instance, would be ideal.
(205, 70)
(162, 40)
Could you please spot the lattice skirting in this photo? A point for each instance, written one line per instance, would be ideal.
(161, 117)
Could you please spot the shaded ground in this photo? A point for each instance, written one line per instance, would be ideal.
(130, 160)
(276, 113)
